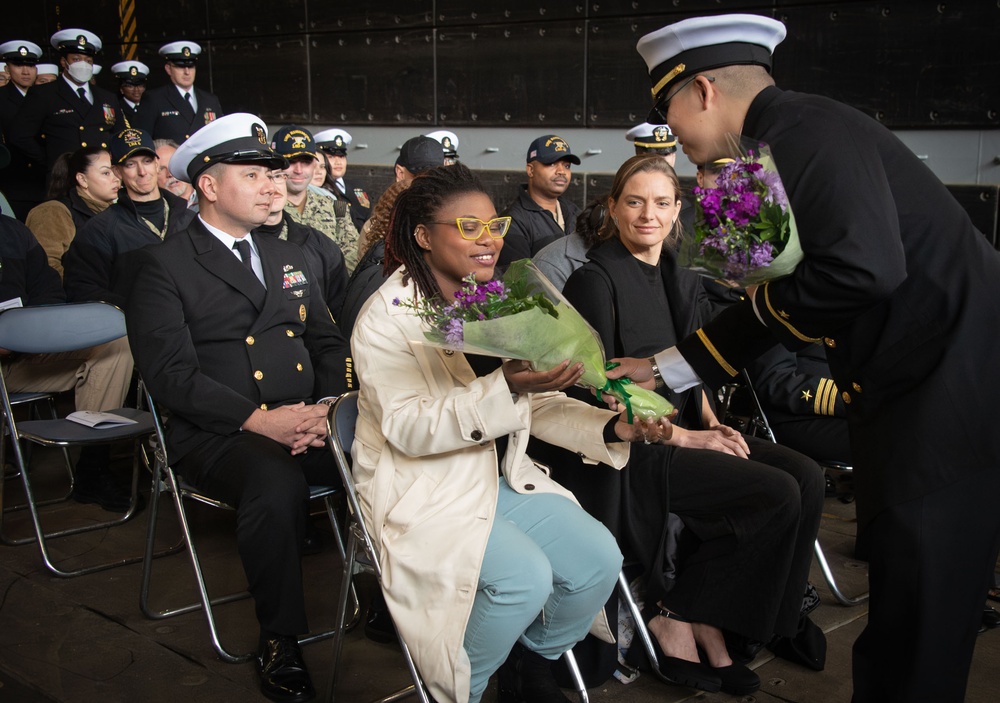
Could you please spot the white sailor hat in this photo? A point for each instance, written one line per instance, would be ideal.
(680, 50)
(656, 137)
(449, 141)
(131, 72)
(181, 53)
(333, 141)
(76, 41)
(46, 69)
(239, 138)
(20, 52)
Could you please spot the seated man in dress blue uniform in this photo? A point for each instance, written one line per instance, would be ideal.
(234, 340)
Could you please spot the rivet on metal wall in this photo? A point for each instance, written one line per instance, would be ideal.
(474, 116)
(506, 117)
(886, 11)
(934, 115)
(541, 10)
(541, 116)
(833, 15)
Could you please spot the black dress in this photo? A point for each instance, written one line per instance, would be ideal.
(754, 521)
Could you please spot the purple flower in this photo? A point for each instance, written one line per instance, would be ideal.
(395, 301)
(761, 254)
(774, 189)
(454, 333)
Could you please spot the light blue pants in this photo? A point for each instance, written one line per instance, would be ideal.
(549, 567)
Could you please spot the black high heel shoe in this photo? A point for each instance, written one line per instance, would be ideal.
(526, 677)
(680, 672)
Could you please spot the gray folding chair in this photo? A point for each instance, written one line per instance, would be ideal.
(362, 554)
(35, 402)
(758, 425)
(63, 328)
(165, 480)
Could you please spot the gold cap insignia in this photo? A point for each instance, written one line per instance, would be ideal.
(338, 141)
(186, 51)
(23, 51)
(81, 40)
(660, 134)
(446, 142)
(557, 144)
(132, 137)
(133, 71)
(302, 312)
(260, 134)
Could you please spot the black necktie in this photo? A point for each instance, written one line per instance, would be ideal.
(243, 247)
(82, 92)
(187, 98)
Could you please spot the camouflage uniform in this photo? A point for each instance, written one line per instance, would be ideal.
(332, 218)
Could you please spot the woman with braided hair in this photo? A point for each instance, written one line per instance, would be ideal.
(481, 551)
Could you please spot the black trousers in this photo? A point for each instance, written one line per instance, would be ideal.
(270, 490)
(755, 522)
(931, 561)
(822, 438)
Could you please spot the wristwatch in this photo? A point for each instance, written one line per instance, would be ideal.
(656, 373)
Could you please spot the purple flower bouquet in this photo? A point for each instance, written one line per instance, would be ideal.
(744, 230)
(525, 317)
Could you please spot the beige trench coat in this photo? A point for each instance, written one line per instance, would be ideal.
(429, 492)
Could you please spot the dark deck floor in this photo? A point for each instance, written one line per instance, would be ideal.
(85, 639)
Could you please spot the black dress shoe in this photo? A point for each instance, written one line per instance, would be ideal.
(102, 489)
(737, 679)
(283, 674)
(681, 672)
(526, 677)
(991, 618)
(379, 626)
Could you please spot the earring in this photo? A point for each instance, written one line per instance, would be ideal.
(615, 220)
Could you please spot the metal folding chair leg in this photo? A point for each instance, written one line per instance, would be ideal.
(42, 537)
(574, 671)
(625, 593)
(832, 582)
(167, 481)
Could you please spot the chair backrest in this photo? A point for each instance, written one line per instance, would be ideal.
(59, 328)
(340, 422)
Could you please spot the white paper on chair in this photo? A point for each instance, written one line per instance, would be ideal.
(99, 420)
(12, 303)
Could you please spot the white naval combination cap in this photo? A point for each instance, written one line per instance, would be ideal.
(76, 41)
(449, 141)
(334, 141)
(684, 48)
(239, 138)
(653, 136)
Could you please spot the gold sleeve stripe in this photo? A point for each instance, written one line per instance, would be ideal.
(818, 400)
(833, 399)
(715, 353)
(826, 397)
(782, 320)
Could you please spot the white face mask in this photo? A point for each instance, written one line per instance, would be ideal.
(80, 71)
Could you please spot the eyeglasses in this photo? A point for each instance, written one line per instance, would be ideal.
(663, 105)
(278, 177)
(472, 227)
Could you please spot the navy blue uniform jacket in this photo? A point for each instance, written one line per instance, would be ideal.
(896, 282)
(212, 345)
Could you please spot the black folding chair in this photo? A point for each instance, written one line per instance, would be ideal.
(166, 481)
(52, 329)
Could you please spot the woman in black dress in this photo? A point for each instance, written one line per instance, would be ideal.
(753, 507)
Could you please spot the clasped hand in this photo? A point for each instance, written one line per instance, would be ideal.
(297, 427)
